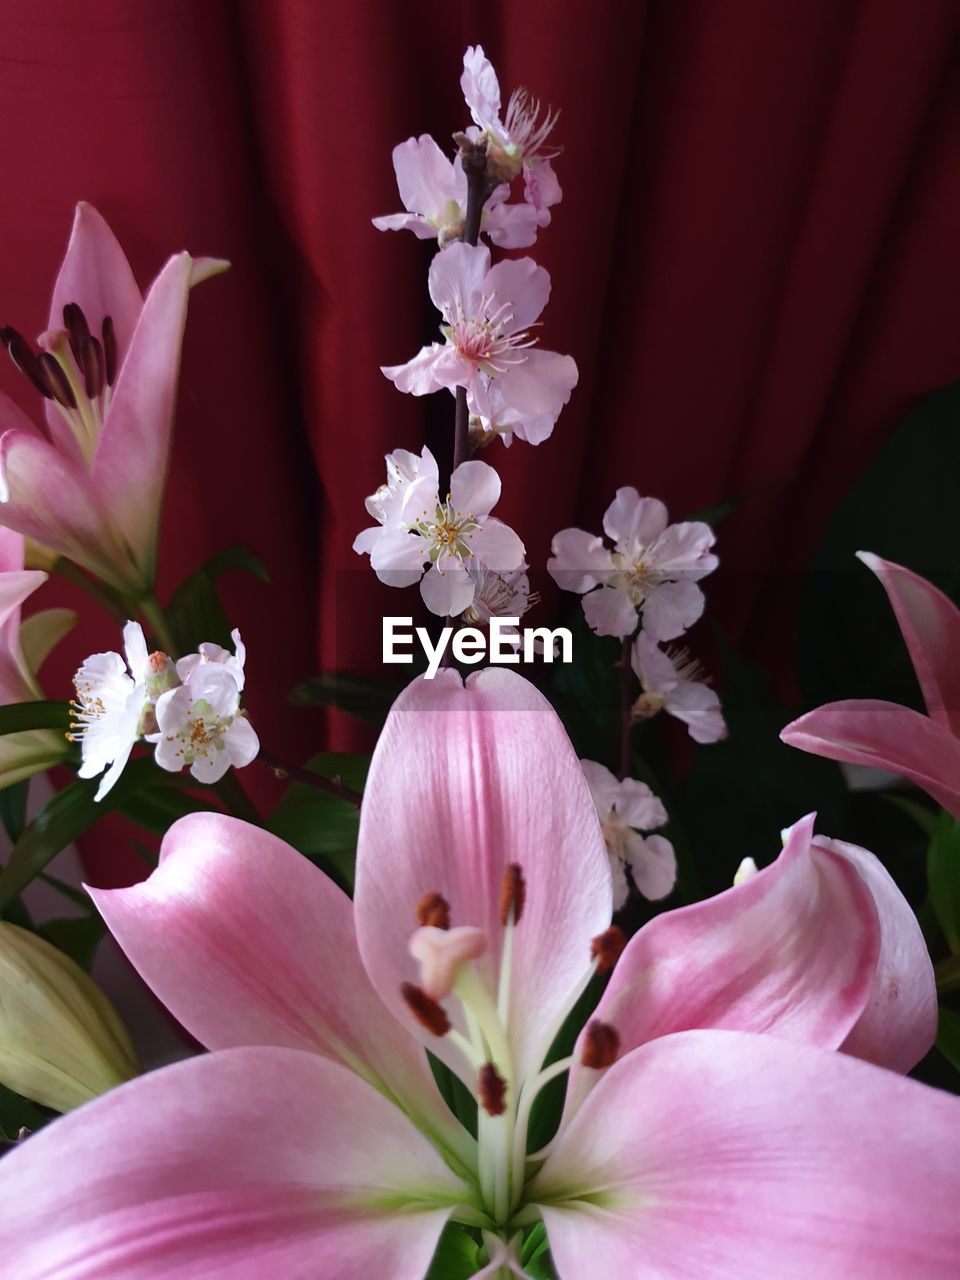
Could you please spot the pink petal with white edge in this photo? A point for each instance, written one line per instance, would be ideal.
(672, 608)
(447, 591)
(480, 87)
(233, 1165)
(899, 1024)
(398, 557)
(464, 781)
(884, 736)
(653, 864)
(930, 623)
(523, 285)
(95, 274)
(456, 279)
(698, 706)
(45, 496)
(130, 465)
(246, 943)
(791, 952)
(579, 560)
(474, 489)
(497, 546)
(639, 807)
(414, 222)
(604, 786)
(426, 178)
(418, 377)
(634, 521)
(738, 1157)
(610, 612)
(684, 549)
(542, 384)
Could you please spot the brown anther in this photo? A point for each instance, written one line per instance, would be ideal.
(491, 1090)
(92, 365)
(109, 349)
(56, 380)
(426, 1010)
(601, 1045)
(23, 356)
(158, 661)
(75, 323)
(513, 893)
(607, 948)
(433, 910)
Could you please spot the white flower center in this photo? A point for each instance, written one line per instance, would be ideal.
(448, 533)
(488, 339)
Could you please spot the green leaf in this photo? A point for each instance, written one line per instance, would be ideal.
(366, 699)
(195, 613)
(42, 632)
(455, 1094)
(76, 936)
(143, 792)
(948, 1036)
(943, 878)
(586, 692)
(320, 825)
(13, 808)
(19, 717)
(457, 1256)
(18, 1113)
(64, 817)
(903, 507)
(922, 815)
(69, 891)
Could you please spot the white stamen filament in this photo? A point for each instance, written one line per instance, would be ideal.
(502, 1139)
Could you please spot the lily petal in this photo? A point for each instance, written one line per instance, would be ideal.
(246, 943)
(885, 736)
(50, 499)
(899, 1024)
(130, 464)
(96, 275)
(739, 1157)
(930, 623)
(464, 781)
(791, 952)
(244, 1163)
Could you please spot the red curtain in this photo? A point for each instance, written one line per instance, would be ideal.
(755, 266)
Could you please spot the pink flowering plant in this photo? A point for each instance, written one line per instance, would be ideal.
(565, 979)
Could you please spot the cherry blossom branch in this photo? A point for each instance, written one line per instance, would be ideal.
(626, 703)
(332, 786)
(473, 157)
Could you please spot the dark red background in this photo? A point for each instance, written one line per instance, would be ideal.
(755, 266)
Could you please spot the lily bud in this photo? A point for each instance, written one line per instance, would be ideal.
(61, 1042)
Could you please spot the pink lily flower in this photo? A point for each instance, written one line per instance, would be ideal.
(24, 644)
(90, 487)
(925, 749)
(313, 1142)
(488, 312)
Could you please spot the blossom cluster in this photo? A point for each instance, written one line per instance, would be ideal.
(506, 385)
(188, 710)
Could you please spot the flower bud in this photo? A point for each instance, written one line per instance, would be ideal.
(61, 1042)
(161, 675)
